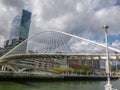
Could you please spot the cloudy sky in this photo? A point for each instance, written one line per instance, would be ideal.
(84, 18)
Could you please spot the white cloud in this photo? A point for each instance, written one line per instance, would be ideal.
(116, 44)
(111, 17)
(78, 16)
(2, 41)
(81, 17)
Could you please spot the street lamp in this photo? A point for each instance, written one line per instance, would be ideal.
(108, 86)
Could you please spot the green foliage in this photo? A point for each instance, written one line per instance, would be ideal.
(85, 70)
(62, 69)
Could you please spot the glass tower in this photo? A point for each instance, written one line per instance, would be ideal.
(19, 31)
(15, 27)
(20, 26)
(24, 25)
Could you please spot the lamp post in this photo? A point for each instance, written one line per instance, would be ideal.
(108, 86)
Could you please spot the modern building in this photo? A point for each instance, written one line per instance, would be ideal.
(19, 31)
(76, 63)
(1, 51)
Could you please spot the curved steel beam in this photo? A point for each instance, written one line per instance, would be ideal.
(116, 50)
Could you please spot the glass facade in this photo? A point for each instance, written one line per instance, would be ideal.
(15, 27)
(19, 31)
(20, 26)
(25, 25)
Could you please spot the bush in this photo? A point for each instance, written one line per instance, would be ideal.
(81, 70)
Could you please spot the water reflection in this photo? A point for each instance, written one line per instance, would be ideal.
(72, 85)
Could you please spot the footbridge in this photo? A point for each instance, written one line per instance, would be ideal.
(48, 45)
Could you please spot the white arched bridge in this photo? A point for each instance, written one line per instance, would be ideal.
(49, 45)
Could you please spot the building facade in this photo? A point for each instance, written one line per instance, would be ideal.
(1, 51)
(19, 31)
(76, 63)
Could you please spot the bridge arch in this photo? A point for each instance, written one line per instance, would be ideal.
(64, 33)
(56, 31)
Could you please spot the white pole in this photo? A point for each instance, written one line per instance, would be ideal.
(108, 86)
(116, 66)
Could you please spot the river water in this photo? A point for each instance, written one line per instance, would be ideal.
(62, 85)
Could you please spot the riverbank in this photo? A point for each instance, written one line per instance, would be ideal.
(52, 77)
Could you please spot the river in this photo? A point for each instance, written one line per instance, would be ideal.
(62, 85)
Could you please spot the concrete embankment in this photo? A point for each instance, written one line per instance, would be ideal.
(90, 77)
(34, 77)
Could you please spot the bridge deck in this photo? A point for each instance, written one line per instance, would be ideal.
(60, 56)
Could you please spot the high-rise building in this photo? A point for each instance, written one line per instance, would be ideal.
(14, 33)
(24, 25)
(19, 31)
(1, 51)
(20, 26)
